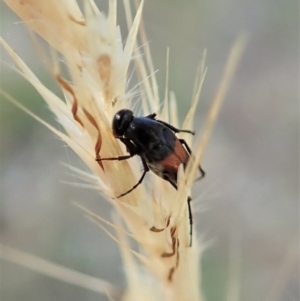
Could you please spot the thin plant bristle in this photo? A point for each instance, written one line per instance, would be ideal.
(58, 272)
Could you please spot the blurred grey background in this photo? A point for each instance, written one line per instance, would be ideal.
(251, 191)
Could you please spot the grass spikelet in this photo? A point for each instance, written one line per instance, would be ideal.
(90, 43)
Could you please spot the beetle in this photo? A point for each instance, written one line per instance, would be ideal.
(157, 145)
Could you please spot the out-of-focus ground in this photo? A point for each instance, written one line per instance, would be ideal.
(250, 194)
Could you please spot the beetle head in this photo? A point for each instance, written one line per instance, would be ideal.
(121, 122)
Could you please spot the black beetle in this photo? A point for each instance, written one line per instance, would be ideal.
(156, 144)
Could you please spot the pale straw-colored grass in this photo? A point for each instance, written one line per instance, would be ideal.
(98, 60)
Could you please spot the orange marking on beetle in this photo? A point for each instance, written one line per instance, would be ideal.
(179, 156)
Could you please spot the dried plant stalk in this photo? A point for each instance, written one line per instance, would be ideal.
(97, 62)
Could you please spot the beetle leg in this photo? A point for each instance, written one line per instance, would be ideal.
(174, 129)
(189, 209)
(120, 158)
(130, 147)
(191, 220)
(183, 142)
(151, 116)
(146, 169)
(166, 177)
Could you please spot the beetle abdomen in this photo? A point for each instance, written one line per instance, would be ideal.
(174, 159)
(168, 168)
